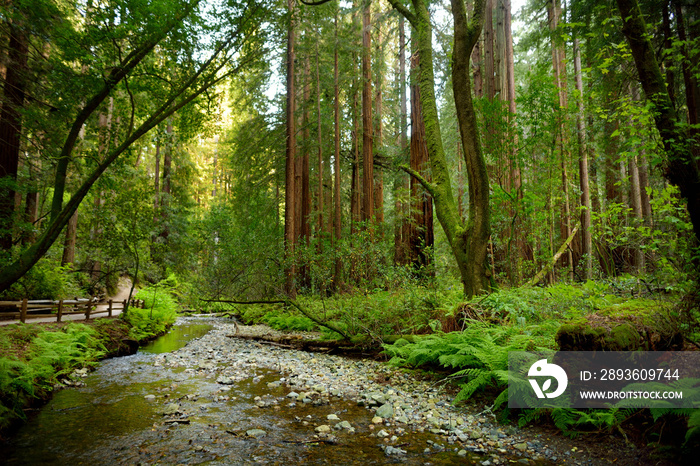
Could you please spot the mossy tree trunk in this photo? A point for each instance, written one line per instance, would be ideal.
(468, 240)
(680, 168)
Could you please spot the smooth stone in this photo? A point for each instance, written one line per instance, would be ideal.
(377, 420)
(171, 408)
(382, 433)
(255, 433)
(343, 425)
(385, 411)
(332, 417)
(292, 395)
(150, 397)
(323, 429)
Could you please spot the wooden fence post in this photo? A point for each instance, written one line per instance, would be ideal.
(23, 311)
(109, 308)
(60, 311)
(89, 308)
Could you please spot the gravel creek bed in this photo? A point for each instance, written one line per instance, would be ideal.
(226, 400)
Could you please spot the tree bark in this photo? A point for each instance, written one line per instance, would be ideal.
(587, 249)
(421, 238)
(401, 183)
(378, 131)
(367, 123)
(11, 129)
(319, 180)
(290, 239)
(336, 162)
(680, 168)
(468, 242)
(70, 241)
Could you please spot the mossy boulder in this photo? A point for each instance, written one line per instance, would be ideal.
(631, 326)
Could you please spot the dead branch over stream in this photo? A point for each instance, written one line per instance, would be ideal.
(286, 302)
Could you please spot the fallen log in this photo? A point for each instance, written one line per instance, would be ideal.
(357, 345)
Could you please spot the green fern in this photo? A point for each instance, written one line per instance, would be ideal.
(480, 353)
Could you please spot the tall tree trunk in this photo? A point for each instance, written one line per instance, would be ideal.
(11, 128)
(336, 161)
(421, 237)
(558, 57)
(489, 59)
(166, 182)
(402, 226)
(516, 235)
(587, 249)
(681, 168)
(636, 203)
(477, 68)
(156, 182)
(690, 79)
(378, 131)
(305, 270)
(367, 123)
(320, 193)
(70, 241)
(469, 242)
(473, 238)
(290, 239)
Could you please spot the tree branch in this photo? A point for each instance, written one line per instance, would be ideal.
(286, 302)
(405, 12)
(425, 183)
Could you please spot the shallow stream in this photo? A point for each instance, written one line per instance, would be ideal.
(140, 410)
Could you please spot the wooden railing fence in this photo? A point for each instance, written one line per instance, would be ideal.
(36, 309)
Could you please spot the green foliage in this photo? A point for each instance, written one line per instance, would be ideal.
(46, 280)
(50, 355)
(574, 422)
(554, 302)
(289, 322)
(158, 313)
(480, 352)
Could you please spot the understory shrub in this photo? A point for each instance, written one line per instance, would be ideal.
(158, 313)
(49, 355)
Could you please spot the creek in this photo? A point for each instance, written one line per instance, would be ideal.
(198, 396)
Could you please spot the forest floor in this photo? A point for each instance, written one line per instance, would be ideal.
(421, 403)
(539, 443)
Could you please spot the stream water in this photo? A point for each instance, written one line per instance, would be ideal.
(134, 410)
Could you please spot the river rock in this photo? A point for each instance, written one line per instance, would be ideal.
(323, 429)
(255, 433)
(343, 425)
(385, 411)
(332, 417)
(171, 409)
